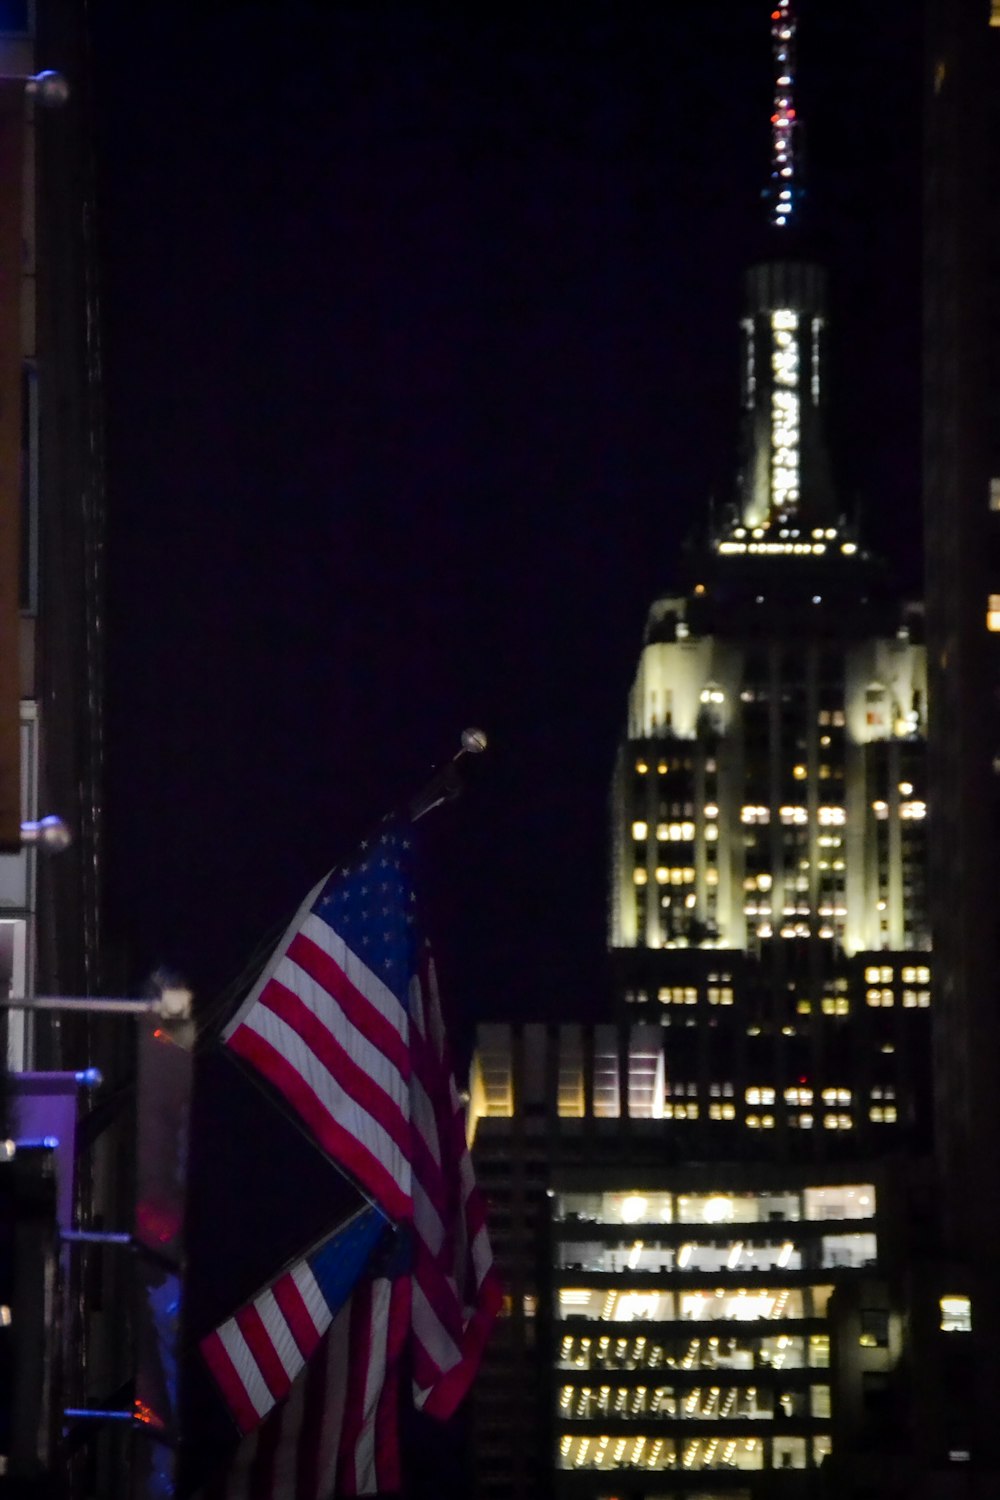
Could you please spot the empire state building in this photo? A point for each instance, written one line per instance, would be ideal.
(767, 895)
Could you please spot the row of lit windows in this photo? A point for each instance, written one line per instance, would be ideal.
(665, 832)
(798, 1095)
(656, 1453)
(674, 875)
(663, 767)
(618, 1304)
(879, 1114)
(724, 1403)
(910, 974)
(912, 810)
(828, 815)
(739, 1351)
(911, 999)
(688, 995)
(845, 1201)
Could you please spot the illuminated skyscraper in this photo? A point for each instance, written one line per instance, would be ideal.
(768, 898)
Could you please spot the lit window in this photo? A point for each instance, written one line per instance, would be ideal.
(993, 613)
(639, 876)
(994, 21)
(995, 483)
(956, 1314)
(640, 829)
(641, 767)
(832, 815)
(760, 1096)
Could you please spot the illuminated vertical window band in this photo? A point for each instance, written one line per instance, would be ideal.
(785, 409)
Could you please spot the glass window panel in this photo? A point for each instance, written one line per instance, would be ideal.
(854, 1202)
(607, 1093)
(789, 1453)
(854, 1250)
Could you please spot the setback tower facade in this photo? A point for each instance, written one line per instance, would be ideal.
(767, 897)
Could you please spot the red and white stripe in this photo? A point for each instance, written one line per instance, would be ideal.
(258, 1353)
(456, 1293)
(330, 1036)
(338, 1432)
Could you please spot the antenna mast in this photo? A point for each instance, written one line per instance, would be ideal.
(785, 188)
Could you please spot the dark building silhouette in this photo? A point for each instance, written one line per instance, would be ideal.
(962, 526)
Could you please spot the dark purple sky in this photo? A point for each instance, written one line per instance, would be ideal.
(421, 349)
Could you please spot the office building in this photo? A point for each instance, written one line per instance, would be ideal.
(678, 1327)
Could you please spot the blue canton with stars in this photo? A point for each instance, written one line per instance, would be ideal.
(370, 903)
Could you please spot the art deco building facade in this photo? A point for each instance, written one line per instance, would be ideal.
(768, 897)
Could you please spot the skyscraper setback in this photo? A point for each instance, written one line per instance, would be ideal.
(768, 825)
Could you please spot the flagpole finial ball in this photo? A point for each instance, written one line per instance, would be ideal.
(474, 741)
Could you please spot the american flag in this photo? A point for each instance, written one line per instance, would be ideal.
(337, 1434)
(345, 1022)
(456, 1293)
(257, 1354)
(327, 1023)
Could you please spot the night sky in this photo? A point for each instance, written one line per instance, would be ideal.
(421, 347)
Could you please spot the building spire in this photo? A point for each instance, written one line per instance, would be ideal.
(785, 188)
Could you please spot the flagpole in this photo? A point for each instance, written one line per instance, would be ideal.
(443, 786)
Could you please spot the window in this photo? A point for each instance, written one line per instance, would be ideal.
(993, 612)
(956, 1314)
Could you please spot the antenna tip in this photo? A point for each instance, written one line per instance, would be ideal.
(474, 741)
